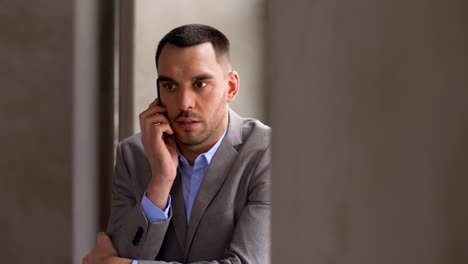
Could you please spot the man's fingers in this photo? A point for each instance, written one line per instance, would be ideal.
(153, 121)
(156, 119)
(151, 110)
(105, 243)
(103, 250)
(149, 121)
(155, 102)
(103, 240)
(153, 131)
(160, 128)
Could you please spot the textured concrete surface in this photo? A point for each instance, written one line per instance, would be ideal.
(370, 138)
(35, 128)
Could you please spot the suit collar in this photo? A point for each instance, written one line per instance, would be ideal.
(216, 175)
(234, 133)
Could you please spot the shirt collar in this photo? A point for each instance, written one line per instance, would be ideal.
(207, 155)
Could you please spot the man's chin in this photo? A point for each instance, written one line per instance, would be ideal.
(189, 139)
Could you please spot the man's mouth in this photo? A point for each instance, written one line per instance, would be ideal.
(187, 123)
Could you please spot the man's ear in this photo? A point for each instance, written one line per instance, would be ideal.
(233, 86)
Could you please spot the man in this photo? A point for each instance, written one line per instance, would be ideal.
(194, 186)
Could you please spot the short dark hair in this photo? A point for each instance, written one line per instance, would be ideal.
(194, 34)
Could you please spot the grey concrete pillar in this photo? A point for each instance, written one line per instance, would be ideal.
(370, 137)
(56, 150)
(36, 131)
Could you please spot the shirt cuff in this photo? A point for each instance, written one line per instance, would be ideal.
(152, 212)
(135, 261)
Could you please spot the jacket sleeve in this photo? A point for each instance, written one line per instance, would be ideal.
(133, 235)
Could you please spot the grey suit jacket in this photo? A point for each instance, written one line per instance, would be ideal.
(230, 219)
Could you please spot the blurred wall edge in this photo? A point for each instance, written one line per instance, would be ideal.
(370, 138)
(93, 120)
(36, 131)
(53, 97)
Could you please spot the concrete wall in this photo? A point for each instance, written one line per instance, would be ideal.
(56, 154)
(35, 128)
(244, 23)
(370, 131)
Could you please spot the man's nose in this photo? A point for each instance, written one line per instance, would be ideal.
(186, 98)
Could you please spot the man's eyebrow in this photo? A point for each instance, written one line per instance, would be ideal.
(203, 76)
(163, 78)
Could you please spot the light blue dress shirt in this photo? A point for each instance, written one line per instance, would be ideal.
(192, 177)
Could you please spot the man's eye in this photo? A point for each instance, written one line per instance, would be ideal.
(169, 86)
(199, 84)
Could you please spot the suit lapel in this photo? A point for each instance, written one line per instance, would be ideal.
(216, 174)
(179, 221)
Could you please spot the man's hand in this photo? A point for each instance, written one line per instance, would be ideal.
(104, 253)
(156, 136)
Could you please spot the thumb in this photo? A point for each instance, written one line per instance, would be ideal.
(103, 241)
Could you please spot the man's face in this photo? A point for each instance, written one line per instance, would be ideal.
(196, 88)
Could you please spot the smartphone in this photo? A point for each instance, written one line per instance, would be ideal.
(159, 95)
(165, 136)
